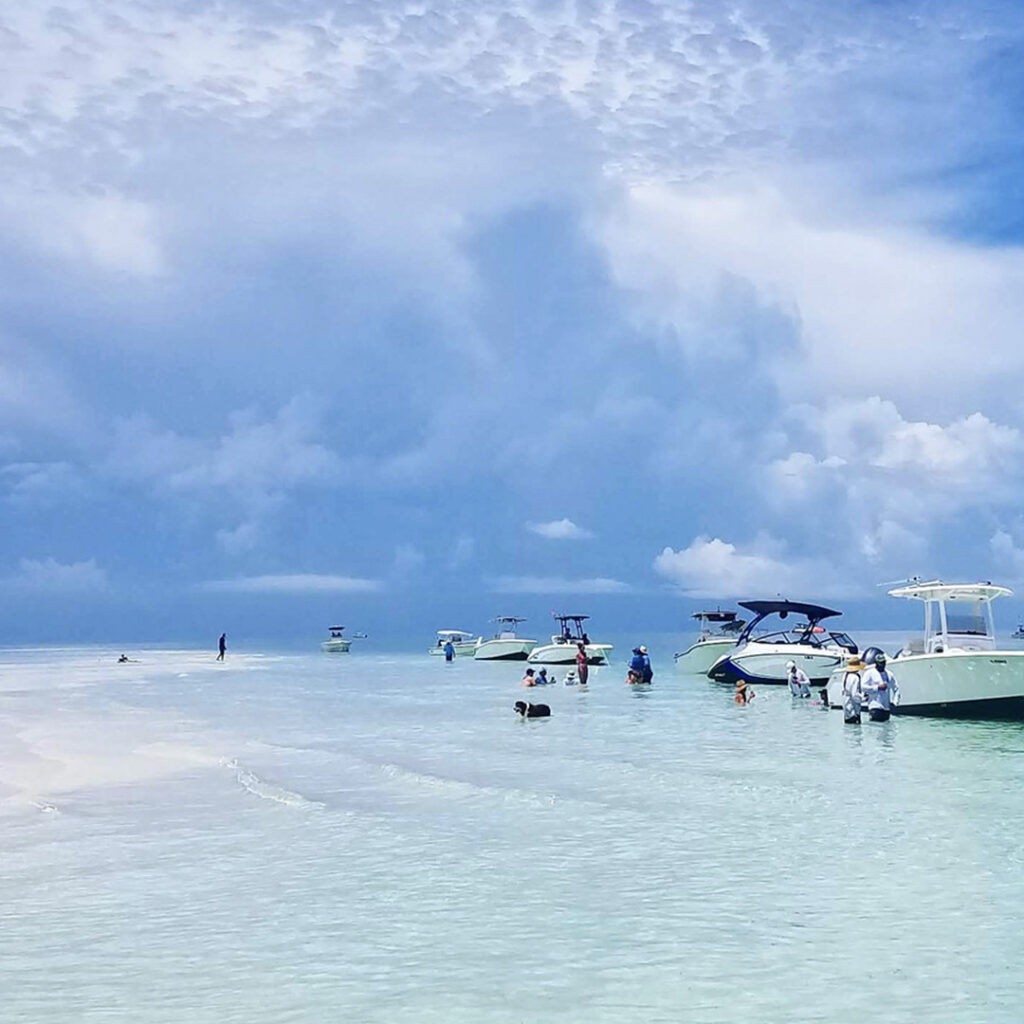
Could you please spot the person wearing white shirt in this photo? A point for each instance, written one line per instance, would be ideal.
(799, 684)
(879, 686)
(853, 695)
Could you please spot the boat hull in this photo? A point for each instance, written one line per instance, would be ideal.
(505, 649)
(765, 664)
(565, 654)
(336, 646)
(699, 657)
(955, 684)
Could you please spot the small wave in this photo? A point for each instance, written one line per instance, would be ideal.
(251, 782)
(45, 807)
(461, 788)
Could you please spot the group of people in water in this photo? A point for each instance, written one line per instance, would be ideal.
(876, 687)
(640, 672)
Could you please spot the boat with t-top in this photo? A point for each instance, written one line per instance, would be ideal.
(463, 642)
(762, 657)
(505, 645)
(564, 644)
(718, 633)
(337, 642)
(954, 668)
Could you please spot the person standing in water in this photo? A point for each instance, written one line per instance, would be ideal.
(799, 684)
(528, 679)
(582, 665)
(449, 650)
(853, 694)
(647, 673)
(636, 668)
(222, 646)
(882, 692)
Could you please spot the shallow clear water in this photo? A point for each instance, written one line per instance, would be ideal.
(379, 838)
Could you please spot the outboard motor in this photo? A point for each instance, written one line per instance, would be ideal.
(868, 656)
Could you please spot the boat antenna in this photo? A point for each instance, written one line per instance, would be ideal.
(892, 583)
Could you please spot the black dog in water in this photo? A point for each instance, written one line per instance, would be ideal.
(532, 710)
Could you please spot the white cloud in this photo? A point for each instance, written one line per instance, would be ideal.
(888, 482)
(711, 567)
(559, 585)
(560, 529)
(941, 317)
(48, 576)
(293, 583)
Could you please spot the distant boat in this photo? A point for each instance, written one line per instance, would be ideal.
(463, 642)
(718, 632)
(563, 646)
(1018, 633)
(762, 659)
(505, 645)
(954, 669)
(337, 642)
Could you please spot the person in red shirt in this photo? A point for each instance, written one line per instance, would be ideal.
(582, 667)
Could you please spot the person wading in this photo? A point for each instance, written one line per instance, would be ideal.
(882, 692)
(222, 646)
(582, 666)
(853, 694)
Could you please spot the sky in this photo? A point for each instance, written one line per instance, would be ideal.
(408, 315)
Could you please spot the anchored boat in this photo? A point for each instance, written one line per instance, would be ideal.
(337, 642)
(954, 669)
(463, 642)
(505, 645)
(563, 647)
(718, 633)
(762, 659)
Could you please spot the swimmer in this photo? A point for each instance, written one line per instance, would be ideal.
(570, 678)
(528, 679)
(744, 695)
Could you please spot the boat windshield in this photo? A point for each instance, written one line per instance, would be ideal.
(970, 620)
(807, 638)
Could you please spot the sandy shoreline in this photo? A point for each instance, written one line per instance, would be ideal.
(66, 723)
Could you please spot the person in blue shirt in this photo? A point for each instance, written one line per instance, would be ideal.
(449, 650)
(636, 668)
(647, 673)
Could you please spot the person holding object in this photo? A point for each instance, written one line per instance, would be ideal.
(636, 668)
(879, 685)
(799, 683)
(853, 694)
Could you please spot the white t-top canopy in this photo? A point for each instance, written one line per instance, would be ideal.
(936, 590)
(453, 632)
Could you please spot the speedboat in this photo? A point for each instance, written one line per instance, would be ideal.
(954, 668)
(505, 645)
(718, 632)
(463, 642)
(762, 658)
(337, 642)
(563, 646)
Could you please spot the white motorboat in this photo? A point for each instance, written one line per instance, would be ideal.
(762, 658)
(505, 645)
(337, 642)
(563, 647)
(718, 632)
(955, 668)
(463, 642)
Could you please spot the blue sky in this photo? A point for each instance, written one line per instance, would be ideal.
(412, 315)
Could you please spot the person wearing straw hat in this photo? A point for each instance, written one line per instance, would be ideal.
(853, 693)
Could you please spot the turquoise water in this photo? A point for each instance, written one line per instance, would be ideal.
(379, 838)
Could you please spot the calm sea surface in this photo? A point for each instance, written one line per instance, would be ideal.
(378, 838)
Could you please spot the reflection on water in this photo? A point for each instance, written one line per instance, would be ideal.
(382, 838)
